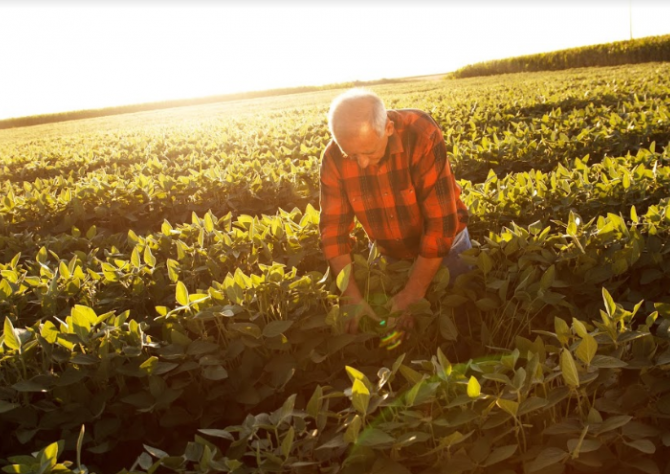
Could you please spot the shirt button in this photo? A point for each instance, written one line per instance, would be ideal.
(391, 216)
(386, 194)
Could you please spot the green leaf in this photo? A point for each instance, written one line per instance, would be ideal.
(135, 260)
(287, 409)
(587, 349)
(209, 222)
(149, 258)
(569, 369)
(642, 445)
(49, 454)
(500, 454)
(448, 328)
(509, 406)
(411, 437)
(548, 278)
(64, 270)
(166, 228)
(614, 422)
(584, 445)
(276, 328)
(315, 402)
(355, 374)
(562, 330)
(83, 319)
(411, 375)
(249, 329)
(149, 365)
(354, 428)
(411, 395)
(287, 442)
(42, 256)
(173, 270)
(610, 306)
(573, 223)
(531, 404)
(6, 406)
(11, 338)
(474, 388)
(218, 433)
(155, 452)
(5, 290)
(607, 362)
(594, 417)
(360, 397)
(372, 437)
(181, 294)
(579, 327)
(343, 278)
(178, 338)
(633, 215)
(39, 383)
(215, 373)
(548, 457)
(644, 464)
(484, 262)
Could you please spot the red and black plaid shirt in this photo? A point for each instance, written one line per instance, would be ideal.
(409, 202)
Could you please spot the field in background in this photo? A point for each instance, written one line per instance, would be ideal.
(642, 50)
(167, 307)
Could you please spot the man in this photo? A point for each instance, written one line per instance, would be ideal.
(390, 170)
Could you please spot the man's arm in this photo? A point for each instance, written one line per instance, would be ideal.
(335, 225)
(336, 218)
(419, 280)
(352, 295)
(438, 194)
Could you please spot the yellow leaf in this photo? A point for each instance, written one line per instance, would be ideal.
(474, 388)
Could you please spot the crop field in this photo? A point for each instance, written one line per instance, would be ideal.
(166, 306)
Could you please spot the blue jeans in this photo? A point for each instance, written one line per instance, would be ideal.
(453, 261)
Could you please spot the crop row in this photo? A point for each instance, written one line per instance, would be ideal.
(649, 49)
(249, 340)
(506, 125)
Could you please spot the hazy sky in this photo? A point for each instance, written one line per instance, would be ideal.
(59, 56)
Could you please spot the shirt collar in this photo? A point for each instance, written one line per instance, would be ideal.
(394, 144)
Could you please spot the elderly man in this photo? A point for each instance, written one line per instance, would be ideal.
(389, 169)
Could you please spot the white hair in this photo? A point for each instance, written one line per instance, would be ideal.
(354, 108)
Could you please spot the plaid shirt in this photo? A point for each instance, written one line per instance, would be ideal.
(409, 202)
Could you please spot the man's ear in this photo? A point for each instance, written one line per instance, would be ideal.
(390, 128)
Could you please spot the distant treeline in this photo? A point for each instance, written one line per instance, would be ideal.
(643, 50)
(126, 109)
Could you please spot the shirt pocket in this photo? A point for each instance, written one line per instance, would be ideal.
(408, 210)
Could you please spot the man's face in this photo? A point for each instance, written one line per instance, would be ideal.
(366, 146)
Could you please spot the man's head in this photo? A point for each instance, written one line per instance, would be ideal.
(358, 123)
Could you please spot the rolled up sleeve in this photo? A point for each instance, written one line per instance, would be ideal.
(438, 194)
(336, 219)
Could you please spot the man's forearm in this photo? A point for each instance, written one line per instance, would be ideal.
(422, 275)
(337, 264)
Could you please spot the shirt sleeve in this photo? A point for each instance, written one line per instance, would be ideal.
(336, 216)
(438, 193)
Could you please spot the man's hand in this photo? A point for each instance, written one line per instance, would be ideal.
(423, 271)
(362, 308)
(352, 297)
(400, 303)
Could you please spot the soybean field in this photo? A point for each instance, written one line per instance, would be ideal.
(166, 306)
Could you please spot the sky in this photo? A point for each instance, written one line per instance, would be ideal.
(58, 56)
